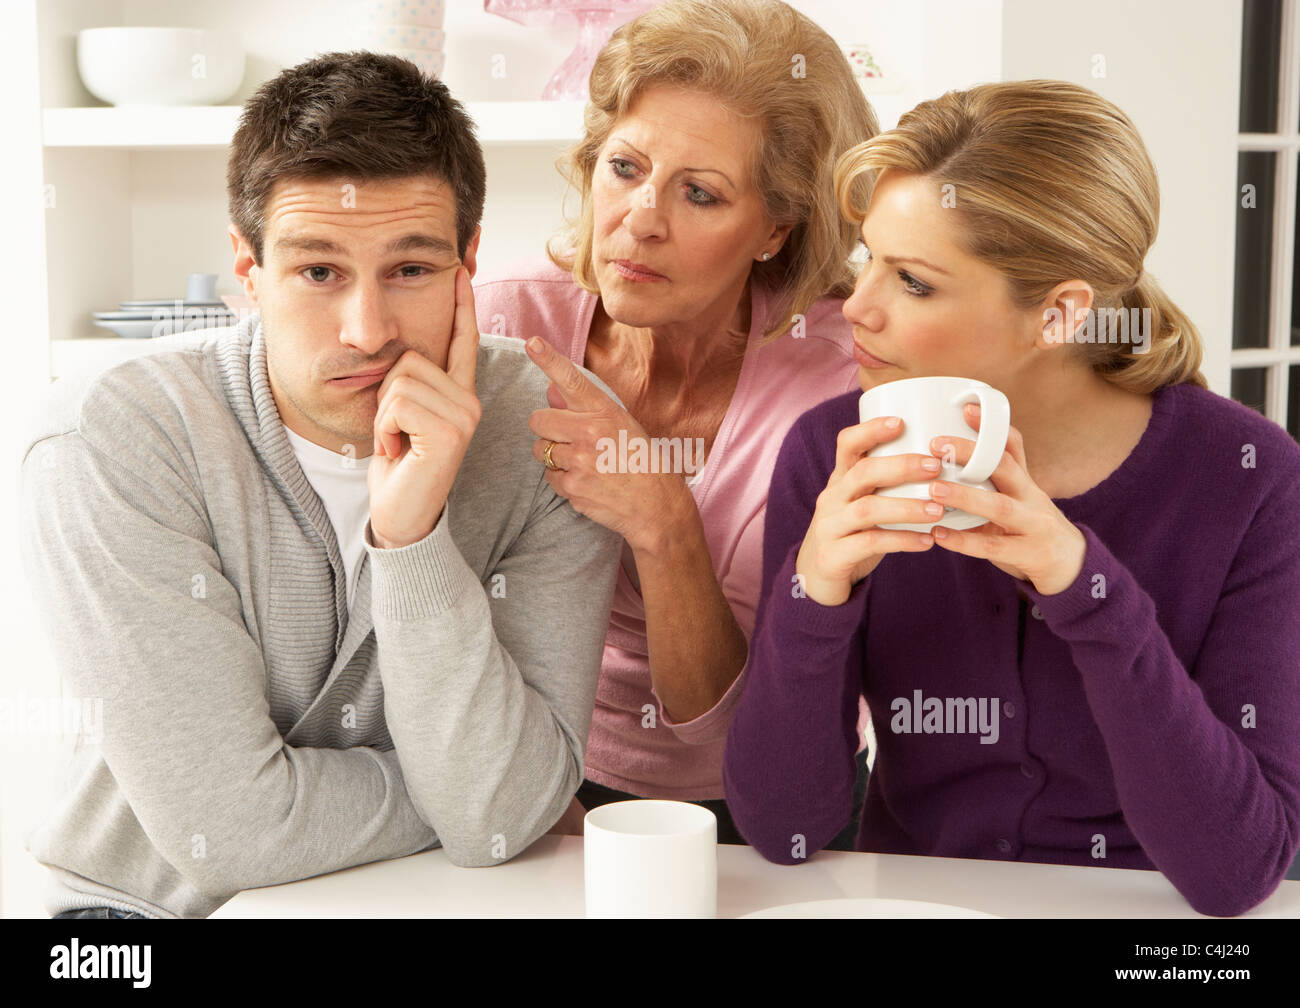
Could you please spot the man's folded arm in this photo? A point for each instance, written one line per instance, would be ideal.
(116, 564)
(489, 687)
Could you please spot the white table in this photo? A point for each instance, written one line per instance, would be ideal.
(547, 881)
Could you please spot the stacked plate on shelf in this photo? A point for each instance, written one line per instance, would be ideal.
(411, 29)
(146, 319)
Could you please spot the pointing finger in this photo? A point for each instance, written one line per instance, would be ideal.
(574, 387)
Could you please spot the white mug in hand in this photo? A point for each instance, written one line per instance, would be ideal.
(932, 407)
(650, 858)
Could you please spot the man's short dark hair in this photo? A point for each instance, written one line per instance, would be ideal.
(360, 116)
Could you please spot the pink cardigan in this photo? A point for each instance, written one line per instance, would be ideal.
(629, 749)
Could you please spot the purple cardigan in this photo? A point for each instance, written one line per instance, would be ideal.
(1146, 717)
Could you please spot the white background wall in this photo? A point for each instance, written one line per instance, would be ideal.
(1172, 66)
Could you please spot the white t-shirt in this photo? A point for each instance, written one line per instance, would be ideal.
(340, 482)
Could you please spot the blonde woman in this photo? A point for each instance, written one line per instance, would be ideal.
(1126, 619)
(703, 283)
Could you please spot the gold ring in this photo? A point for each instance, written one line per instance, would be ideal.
(547, 460)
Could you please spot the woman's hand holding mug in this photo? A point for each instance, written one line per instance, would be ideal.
(844, 543)
(1025, 534)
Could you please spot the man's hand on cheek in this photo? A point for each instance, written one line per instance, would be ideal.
(423, 426)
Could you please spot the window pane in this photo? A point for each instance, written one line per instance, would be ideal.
(1295, 277)
(1293, 401)
(1261, 38)
(1255, 176)
(1249, 387)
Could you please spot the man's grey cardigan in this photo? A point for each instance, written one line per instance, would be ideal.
(253, 731)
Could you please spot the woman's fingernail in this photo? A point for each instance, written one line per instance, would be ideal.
(931, 465)
(938, 490)
(892, 422)
(536, 345)
(934, 509)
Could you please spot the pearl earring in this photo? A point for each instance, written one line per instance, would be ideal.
(767, 256)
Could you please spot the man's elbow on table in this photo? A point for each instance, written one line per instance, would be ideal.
(483, 849)
(223, 864)
(492, 839)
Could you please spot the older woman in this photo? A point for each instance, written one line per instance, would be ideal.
(1126, 617)
(703, 285)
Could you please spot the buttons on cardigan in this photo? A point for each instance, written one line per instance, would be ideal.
(1004, 845)
(1036, 613)
(1008, 709)
(1027, 769)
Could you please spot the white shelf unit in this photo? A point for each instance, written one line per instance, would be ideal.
(520, 123)
(130, 146)
(135, 198)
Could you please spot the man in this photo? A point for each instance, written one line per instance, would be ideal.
(333, 610)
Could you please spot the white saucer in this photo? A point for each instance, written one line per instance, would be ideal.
(867, 908)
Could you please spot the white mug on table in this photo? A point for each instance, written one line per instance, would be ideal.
(651, 858)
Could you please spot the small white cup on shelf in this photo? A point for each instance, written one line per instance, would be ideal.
(426, 13)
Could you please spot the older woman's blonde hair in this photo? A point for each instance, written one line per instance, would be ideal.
(1051, 183)
(760, 59)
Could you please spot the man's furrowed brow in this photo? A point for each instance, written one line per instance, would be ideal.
(415, 242)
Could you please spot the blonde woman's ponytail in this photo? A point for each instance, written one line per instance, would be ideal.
(1172, 350)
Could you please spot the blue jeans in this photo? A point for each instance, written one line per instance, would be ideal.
(99, 913)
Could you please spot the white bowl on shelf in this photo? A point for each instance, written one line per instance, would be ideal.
(163, 321)
(160, 66)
